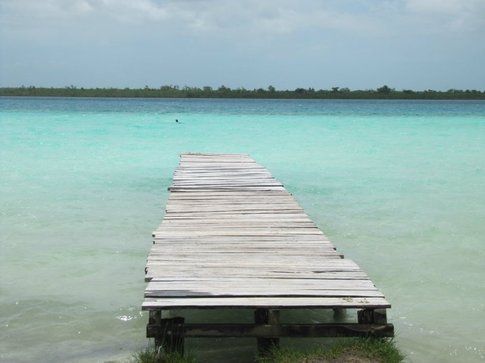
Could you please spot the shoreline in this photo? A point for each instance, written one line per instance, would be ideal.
(168, 92)
(240, 98)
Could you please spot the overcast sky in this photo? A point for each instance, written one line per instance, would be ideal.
(418, 44)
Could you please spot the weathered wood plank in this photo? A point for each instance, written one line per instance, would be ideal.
(264, 302)
(218, 330)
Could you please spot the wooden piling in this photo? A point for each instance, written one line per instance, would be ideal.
(266, 317)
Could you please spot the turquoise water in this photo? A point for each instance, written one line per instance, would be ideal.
(398, 186)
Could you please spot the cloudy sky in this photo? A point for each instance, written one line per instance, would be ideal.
(419, 44)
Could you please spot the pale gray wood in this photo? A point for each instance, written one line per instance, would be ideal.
(232, 236)
(264, 302)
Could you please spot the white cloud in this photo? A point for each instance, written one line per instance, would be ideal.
(249, 20)
(270, 17)
(458, 15)
(439, 6)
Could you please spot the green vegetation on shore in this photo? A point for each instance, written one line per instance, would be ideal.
(363, 350)
(355, 350)
(383, 92)
(151, 355)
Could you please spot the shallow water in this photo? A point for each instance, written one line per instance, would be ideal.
(398, 186)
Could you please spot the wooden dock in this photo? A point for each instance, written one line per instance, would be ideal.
(233, 237)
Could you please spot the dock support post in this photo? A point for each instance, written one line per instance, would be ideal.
(372, 316)
(155, 318)
(339, 313)
(174, 335)
(267, 317)
(169, 333)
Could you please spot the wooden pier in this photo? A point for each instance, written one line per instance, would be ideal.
(233, 237)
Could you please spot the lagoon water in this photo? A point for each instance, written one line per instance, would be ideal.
(398, 186)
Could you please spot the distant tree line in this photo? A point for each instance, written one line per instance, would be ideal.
(383, 92)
